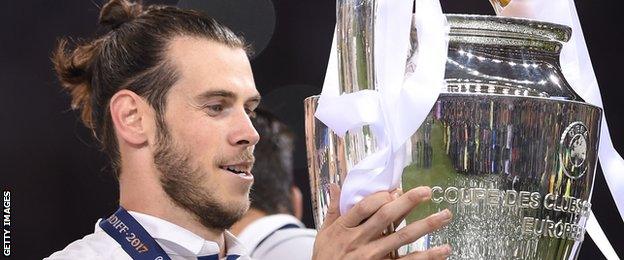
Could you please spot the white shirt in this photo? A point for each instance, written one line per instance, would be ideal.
(290, 243)
(179, 243)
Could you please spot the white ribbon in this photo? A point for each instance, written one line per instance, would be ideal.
(401, 102)
(578, 71)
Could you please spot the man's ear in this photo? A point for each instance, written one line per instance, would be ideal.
(129, 115)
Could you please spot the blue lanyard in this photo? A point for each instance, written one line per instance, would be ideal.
(132, 237)
(135, 240)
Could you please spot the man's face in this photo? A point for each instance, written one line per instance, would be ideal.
(205, 152)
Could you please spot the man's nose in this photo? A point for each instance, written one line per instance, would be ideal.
(244, 133)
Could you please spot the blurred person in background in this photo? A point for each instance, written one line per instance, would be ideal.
(271, 228)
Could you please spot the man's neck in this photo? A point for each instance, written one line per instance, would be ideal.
(250, 216)
(140, 192)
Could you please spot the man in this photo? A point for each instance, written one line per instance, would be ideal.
(271, 228)
(169, 94)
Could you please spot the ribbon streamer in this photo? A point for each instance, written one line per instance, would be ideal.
(577, 68)
(402, 100)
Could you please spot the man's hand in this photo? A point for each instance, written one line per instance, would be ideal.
(358, 234)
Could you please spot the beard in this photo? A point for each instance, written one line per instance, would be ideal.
(182, 183)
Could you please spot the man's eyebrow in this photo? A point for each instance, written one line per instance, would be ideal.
(255, 99)
(227, 94)
(217, 93)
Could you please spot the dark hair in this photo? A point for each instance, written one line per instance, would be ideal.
(273, 177)
(131, 54)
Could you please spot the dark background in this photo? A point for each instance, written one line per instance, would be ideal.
(59, 182)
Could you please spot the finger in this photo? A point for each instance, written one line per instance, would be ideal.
(440, 252)
(394, 210)
(366, 208)
(400, 222)
(396, 194)
(411, 232)
(333, 211)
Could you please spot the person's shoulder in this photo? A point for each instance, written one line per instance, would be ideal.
(296, 232)
(291, 232)
(97, 245)
(301, 237)
(292, 243)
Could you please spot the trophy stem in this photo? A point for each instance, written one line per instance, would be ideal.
(355, 31)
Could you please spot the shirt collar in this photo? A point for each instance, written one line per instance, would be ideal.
(257, 230)
(180, 241)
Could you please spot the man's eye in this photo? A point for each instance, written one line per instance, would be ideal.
(216, 108)
(251, 113)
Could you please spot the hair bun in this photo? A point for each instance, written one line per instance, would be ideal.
(117, 12)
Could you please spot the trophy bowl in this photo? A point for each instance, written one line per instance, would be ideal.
(508, 147)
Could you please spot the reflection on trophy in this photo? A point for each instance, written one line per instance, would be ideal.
(509, 147)
(498, 5)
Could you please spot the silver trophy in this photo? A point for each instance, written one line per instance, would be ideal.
(509, 147)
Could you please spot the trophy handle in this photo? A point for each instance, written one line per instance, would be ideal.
(326, 164)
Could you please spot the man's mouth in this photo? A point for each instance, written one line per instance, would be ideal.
(242, 169)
